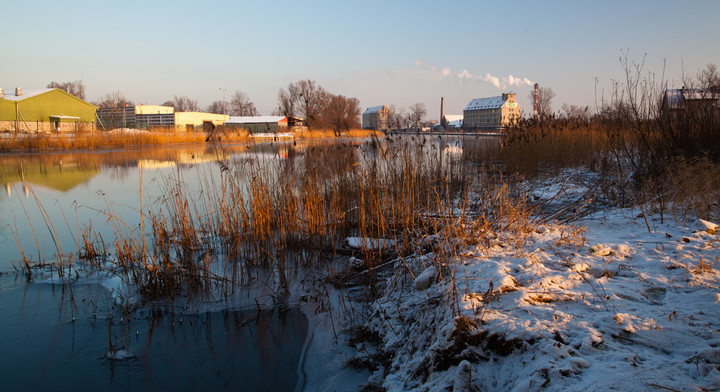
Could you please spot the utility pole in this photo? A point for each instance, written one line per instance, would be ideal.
(224, 90)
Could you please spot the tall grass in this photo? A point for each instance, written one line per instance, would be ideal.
(107, 139)
(259, 217)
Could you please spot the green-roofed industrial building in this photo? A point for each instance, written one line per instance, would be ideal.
(44, 110)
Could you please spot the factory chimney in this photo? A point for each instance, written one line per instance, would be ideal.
(442, 116)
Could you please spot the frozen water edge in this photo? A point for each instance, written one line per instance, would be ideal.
(628, 309)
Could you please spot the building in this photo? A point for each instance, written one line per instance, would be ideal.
(141, 116)
(680, 100)
(194, 121)
(259, 124)
(116, 117)
(376, 117)
(44, 110)
(452, 122)
(154, 116)
(491, 113)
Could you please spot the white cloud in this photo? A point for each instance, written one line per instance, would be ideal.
(499, 82)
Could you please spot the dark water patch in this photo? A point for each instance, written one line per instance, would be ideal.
(43, 348)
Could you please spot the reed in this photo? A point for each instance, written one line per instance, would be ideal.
(259, 218)
(104, 139)
(275, 216)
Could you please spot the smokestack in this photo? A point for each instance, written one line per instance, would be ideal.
(18, 91)
(442, 99)
(535, 104)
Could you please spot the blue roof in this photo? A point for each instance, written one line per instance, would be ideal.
(676, 98)
(486, 103)
(374, 109)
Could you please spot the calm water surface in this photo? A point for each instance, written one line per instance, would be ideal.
(44, 349)
(46, 200)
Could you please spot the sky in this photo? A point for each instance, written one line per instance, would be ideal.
(387, 52)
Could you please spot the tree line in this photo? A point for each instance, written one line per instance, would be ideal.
(318, 107)
(306, 99)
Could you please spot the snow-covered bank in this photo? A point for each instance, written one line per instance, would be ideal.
(604, 305)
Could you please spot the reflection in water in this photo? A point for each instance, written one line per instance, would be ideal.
(44, 349)
(60, 335)
(75, 188)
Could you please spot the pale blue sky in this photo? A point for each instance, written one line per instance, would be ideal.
(382, 52)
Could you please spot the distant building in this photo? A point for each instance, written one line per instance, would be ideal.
(44, 110)
(259, 124)
(376, 117)
(154, 116)
(449, 122)
(452, 122)
(116, 117)
(679, 100)
(141, 116)
(491, 113)
(195, 121)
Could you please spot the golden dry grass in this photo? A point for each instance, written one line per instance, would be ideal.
(328, 133)
(109, 139)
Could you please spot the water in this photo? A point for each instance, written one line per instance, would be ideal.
(44, 349)
(50, 197)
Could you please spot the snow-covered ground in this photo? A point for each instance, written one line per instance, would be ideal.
(603, 304)
(600, 305)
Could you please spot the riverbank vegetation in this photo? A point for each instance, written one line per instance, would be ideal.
(456, 254)
(407, 193)
(135, 138)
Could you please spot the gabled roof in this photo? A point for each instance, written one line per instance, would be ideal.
(10, 95)
(455, 123)
(676, 98)
(374, 109)
(453, 117)
(254, 119)
(26, 93)
(486, 103)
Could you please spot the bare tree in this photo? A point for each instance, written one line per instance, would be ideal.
(311, 101)
(305, 99)
(183, 104)
(76, 88)
(544, 104)
(217, 107)
(417, 112)
(115, 99)
(287, 100)
(341, 114)
(575, 113)
(398, 118)
(709, 78)
(241, 105)
(318, 107)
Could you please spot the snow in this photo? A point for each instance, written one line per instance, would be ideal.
(602, 304)
(620, 308)
(710, 227)
(128, 131)
(119, 355)
(368, 243)
(284, 135)
(254, 119)
(425, 279)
